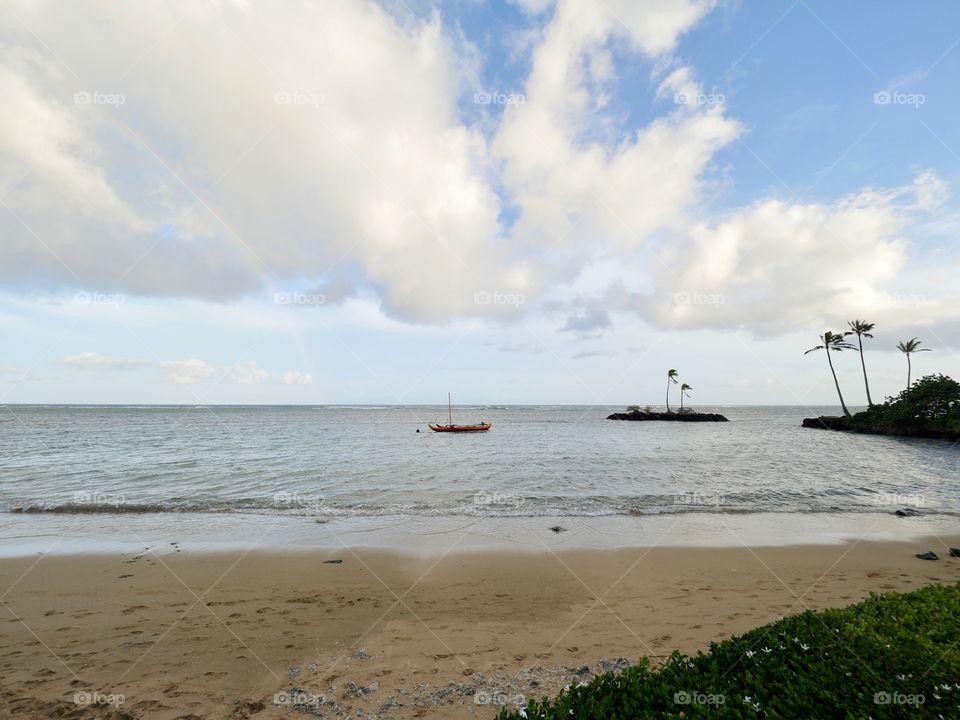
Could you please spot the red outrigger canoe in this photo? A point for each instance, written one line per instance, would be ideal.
(461, 428)
(450, 427)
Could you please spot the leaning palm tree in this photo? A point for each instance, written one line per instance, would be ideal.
(834, 343)
(671, 378)
(862, 328)
(683, 389)
(908, 348)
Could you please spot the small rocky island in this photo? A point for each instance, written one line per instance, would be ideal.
(671, 416)
(685, 414)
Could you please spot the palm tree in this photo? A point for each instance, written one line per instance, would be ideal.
(834, 343)
(671, 378)
(683, 389)
(862, 328)
(907, 348)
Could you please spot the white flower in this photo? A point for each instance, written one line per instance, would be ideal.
(750, 653)
(766, 650)
(523, 713)
(804, 647)
(747, 699)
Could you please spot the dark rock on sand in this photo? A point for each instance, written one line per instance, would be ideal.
(954, 552)
(558, 529)
(677, 417)
(332, 562)
(929, 555)
(621, 663)
(906, 512)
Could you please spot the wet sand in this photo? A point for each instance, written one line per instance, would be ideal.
(387, 635)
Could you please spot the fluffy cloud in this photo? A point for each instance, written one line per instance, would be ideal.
(778, 265)
(568, 169)
(101, 363)
(187, 372)
(206, 157)
(331, 147)
(239, 158)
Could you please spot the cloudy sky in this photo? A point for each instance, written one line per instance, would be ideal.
(345, 201)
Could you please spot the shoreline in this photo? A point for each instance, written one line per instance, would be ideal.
(237, 634)
(24, 535)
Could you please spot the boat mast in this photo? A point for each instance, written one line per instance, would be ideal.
(449, 410)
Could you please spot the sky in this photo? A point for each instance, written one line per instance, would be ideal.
(534, 201)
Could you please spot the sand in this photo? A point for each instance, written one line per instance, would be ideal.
(229, 635)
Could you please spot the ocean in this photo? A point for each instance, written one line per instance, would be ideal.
(357, 463)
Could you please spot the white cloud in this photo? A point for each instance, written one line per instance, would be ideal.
(372, 170)
(101, 363)
(776, 265)
(188, 372)
(364, 164)
(332, 153)
(295, 377)
(567, 166)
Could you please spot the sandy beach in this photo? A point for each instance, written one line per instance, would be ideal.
(167, 634)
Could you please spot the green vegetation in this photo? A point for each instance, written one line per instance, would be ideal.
(891, 656)
(928, 408)
(683, 391)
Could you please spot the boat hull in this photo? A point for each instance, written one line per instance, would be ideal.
(482, 427)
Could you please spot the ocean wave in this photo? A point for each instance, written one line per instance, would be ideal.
(413, 509)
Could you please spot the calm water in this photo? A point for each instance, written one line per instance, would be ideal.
(536, 461)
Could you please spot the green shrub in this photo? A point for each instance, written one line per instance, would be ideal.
(891, 656)
(930, 405)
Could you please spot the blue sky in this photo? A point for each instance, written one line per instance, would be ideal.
(245, 203)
